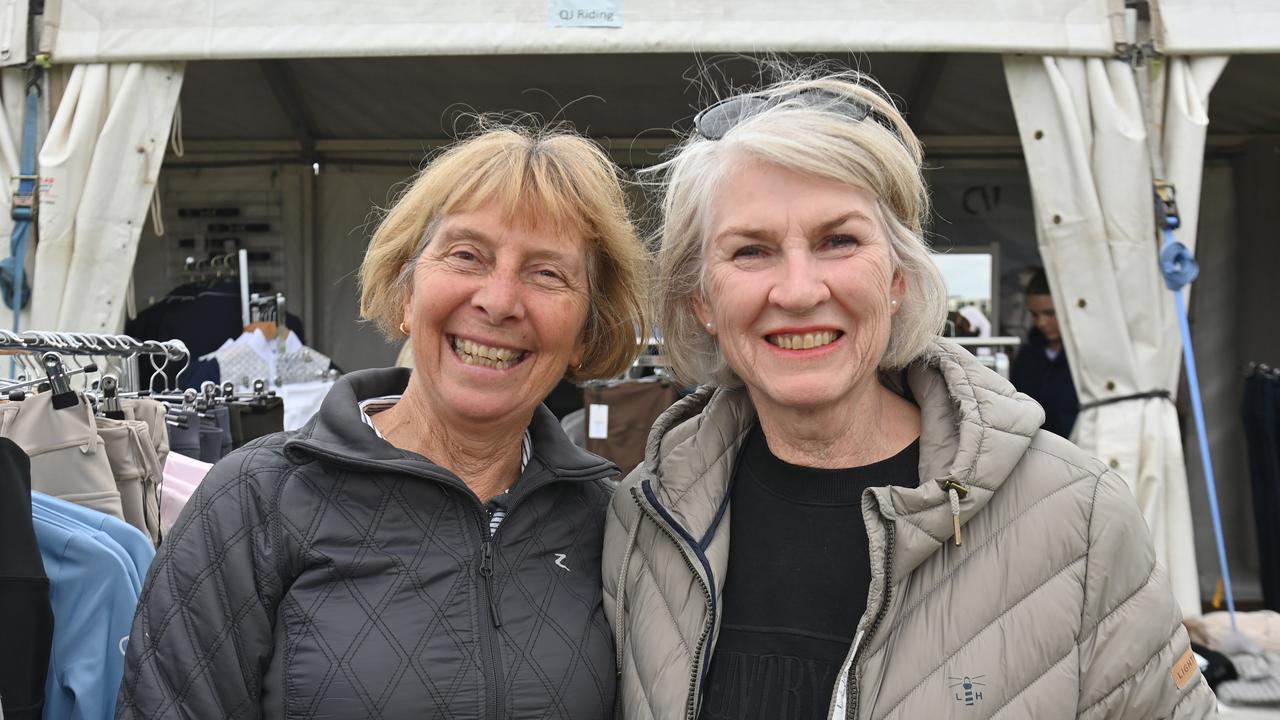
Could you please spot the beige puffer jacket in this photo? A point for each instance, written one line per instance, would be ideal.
(1053, 606)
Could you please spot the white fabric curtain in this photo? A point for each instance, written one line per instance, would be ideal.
(98, 167)
(1084, 138)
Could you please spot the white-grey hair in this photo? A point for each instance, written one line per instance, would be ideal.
(811, 132)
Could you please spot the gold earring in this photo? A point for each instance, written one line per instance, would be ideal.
(404, 330)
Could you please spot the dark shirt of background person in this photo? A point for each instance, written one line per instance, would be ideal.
(1041, 369)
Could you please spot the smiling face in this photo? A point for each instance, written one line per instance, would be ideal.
(496, 314)
(799, 286)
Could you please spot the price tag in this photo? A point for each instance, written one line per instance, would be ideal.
(598, 422)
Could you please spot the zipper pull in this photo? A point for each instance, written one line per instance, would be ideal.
(955, 490)
(486, 572)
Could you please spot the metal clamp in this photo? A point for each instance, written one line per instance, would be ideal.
(1167, 216)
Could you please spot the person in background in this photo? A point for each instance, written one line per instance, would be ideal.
(854, 518)
(429, 545)
(1041, 369)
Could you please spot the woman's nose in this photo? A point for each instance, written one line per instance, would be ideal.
(801, 285)
(500, 297)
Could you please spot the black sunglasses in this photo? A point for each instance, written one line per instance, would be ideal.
(714, 122)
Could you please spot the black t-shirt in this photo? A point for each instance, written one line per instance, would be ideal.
(797, 582)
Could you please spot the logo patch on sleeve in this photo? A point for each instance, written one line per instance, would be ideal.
(1184, 669)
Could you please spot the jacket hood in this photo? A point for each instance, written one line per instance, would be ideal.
(974, 429)
(337, 433)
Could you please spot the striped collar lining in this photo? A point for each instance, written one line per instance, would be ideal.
(373, 406)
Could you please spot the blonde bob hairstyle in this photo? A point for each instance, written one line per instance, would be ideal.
(812, 131)
(547, 178)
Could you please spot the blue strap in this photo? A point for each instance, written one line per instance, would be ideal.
(1179, 267)
(23, 202)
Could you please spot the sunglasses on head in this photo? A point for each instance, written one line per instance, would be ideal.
(714, 122)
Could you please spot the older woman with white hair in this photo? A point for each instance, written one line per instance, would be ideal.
(853, 518)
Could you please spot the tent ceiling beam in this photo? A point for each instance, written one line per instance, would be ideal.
(286, 92)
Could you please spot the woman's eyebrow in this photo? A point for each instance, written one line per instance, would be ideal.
(839, 220)
(744, 231)
(465, 233)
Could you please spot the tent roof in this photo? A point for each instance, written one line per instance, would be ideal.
(112, 31)
(608, 96)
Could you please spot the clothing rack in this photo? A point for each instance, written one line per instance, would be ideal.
(218, 264)
(94, 345)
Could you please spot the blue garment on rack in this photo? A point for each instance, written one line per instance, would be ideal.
(93, 605)
(133, 543)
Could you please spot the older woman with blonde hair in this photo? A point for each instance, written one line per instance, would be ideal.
(429, 544)
(853, 518)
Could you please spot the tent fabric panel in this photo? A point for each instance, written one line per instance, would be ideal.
(1198, 27)
(13, 32)
(109, 31)
(1084, 137)
(99, 165)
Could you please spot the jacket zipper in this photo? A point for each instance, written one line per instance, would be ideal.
(489, 634)
(851, 707)
(695, 674)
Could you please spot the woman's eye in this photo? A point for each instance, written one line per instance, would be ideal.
(840, 241)
(465, 255)
(747, 252)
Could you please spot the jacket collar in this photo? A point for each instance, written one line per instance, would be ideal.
(337, 433)
(974, 429)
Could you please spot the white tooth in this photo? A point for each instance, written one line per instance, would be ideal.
(807, 341)
(784, 342)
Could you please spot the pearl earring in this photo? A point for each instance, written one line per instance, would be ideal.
(711, 327)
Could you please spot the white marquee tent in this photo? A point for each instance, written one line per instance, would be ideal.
(119, 71)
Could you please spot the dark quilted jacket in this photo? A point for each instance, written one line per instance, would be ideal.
(327, 574)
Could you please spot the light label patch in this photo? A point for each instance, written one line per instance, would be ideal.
(598, 422)
(1185, 669)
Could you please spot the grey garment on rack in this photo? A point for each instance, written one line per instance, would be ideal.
(210, 438)
(184, 438)
(254, 419)
(137, 472)
(68, 460)
(222, 417)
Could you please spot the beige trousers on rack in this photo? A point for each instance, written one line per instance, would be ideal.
(137, 472)
(67, 456)
(152, 412)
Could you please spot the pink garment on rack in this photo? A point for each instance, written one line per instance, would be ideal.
(182, 475)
